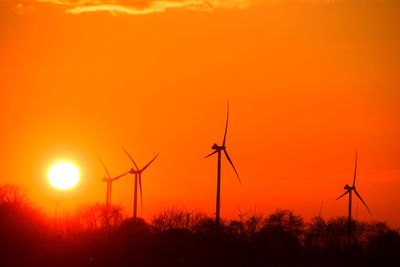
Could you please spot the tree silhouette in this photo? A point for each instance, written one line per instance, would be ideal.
(97, 216)
(22, 228)
(174, 239)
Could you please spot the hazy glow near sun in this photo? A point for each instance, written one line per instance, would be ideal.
(63, 175)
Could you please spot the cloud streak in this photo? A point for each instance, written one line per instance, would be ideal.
(135, 7)
(140, 7)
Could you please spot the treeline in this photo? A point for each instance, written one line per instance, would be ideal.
(97, 235)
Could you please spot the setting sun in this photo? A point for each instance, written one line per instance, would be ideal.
(63, 175)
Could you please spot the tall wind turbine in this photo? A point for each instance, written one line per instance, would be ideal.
(138, 179)
(218, 149)
(109, 182)
(350, 190)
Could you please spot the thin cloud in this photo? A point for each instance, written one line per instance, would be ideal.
(135, 7)
(138, 7)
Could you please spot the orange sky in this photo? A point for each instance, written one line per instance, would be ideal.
(308, 82)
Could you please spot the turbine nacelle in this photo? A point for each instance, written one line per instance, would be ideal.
(133, 171)
(347, 187)
(217, 147)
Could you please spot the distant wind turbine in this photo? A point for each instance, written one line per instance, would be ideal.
(109, 182)
(188, 214)
(57, 211)
(320, 208)
(255, 209)
(241, 214)
(349, 190)
(138, 178)
(218, 149)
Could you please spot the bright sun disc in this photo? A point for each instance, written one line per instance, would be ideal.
(63, 175)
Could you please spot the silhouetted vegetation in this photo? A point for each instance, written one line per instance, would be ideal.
(99, 235)
(22, 227)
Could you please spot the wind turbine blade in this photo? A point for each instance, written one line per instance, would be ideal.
(343, 194)
(355, 172)
(131, 158)
(226, 125)
(233, 166)
(244, 214)
(358, 195)
(104, 166)
(145, 167)
(119, 176)
(141, 194)
(211, 154)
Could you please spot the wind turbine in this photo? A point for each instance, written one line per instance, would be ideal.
(188, 213)
(350, 190)
(255, 209)
(218, 149)
(109, 182)
(241, 214)
(320, 209)
(56, 212)
(138, 178)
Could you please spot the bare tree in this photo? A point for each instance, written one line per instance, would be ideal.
(13, 195)
(96, 216)
(286, 220)
(254, 223)
(170, 219)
